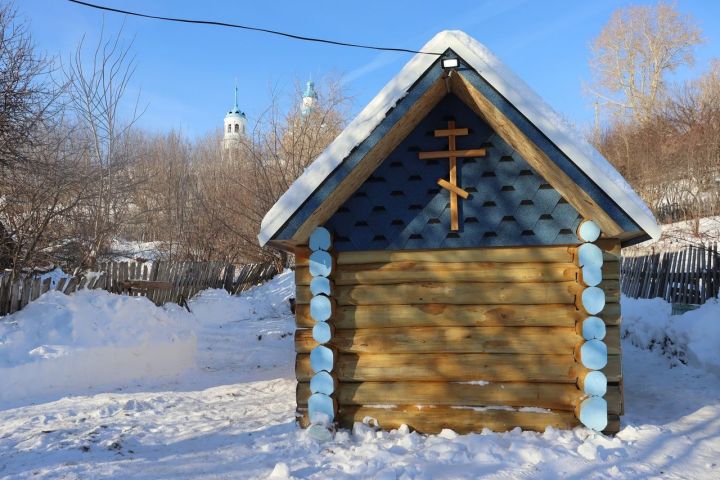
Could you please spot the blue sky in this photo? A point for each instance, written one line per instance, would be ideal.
(185, 74)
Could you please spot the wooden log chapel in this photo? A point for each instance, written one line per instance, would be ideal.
(457, 252)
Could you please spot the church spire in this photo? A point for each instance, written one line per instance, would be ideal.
(234, 125)
(309, 99)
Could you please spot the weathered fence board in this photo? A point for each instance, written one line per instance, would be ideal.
(163, 282)
(690, 276)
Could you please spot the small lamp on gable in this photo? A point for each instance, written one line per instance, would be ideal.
(450, 63)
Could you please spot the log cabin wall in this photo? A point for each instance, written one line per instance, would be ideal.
(462, 339)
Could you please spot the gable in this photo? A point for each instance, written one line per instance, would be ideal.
(401, 206)
(494, 93)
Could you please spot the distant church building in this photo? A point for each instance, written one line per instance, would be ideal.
(235, 126)
(309, 99)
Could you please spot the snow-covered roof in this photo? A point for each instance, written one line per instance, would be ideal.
(502, 79)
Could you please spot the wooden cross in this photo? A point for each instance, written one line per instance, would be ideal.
(452, 154)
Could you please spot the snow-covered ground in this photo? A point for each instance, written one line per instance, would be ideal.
(232, 416)
(678, 235)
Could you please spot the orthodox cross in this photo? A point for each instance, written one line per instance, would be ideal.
(452, 154)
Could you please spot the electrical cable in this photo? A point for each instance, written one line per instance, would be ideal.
(255, 29)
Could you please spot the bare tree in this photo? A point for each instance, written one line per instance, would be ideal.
(239, 190)
(635, 51)
(96, 90)
(25, 96)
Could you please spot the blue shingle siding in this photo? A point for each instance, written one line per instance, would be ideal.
(400, 206)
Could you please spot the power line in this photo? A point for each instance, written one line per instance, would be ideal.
(254, 29)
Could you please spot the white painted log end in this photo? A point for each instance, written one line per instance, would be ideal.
(321, 308)
(320, 263)
(593, 300)
(593, 413)
(320, 286)
(588, 231)
(590, 254)
(594, 354)
(320, 239)
(593, 328)
(322, 382)
(321, 332)
(321, 409)
(595, 384)
(591, 275)
(322, 358)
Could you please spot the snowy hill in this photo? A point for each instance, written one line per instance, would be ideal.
(229, 413)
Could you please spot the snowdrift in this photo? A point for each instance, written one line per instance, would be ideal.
(692, 338)
(64, 344)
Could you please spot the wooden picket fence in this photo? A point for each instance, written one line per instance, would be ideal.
(161, 282)
(687, 276)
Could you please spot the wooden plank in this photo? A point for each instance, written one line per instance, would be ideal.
(454, 215)
(480, 272)
(71, 286)
(380, 316)
(447, 132)
(466, 293)
(556, 396)
(45, 286)
(474, 152)
(526, 340)
(26, 290)
(453, 189)
(551, 254)
(457, 367)
(35, 289)
(4, 292)
(15, 295)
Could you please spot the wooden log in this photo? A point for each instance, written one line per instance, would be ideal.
(556, 396)
(528, 340)
(456, 294)
(456, 367)
(304, 422)
(551, 254)
(432, 419)
(382, 316)
(414, 272)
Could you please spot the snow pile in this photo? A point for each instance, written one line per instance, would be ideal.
(124, 250)
(55, 275)
(691, 338)
(63, 343)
